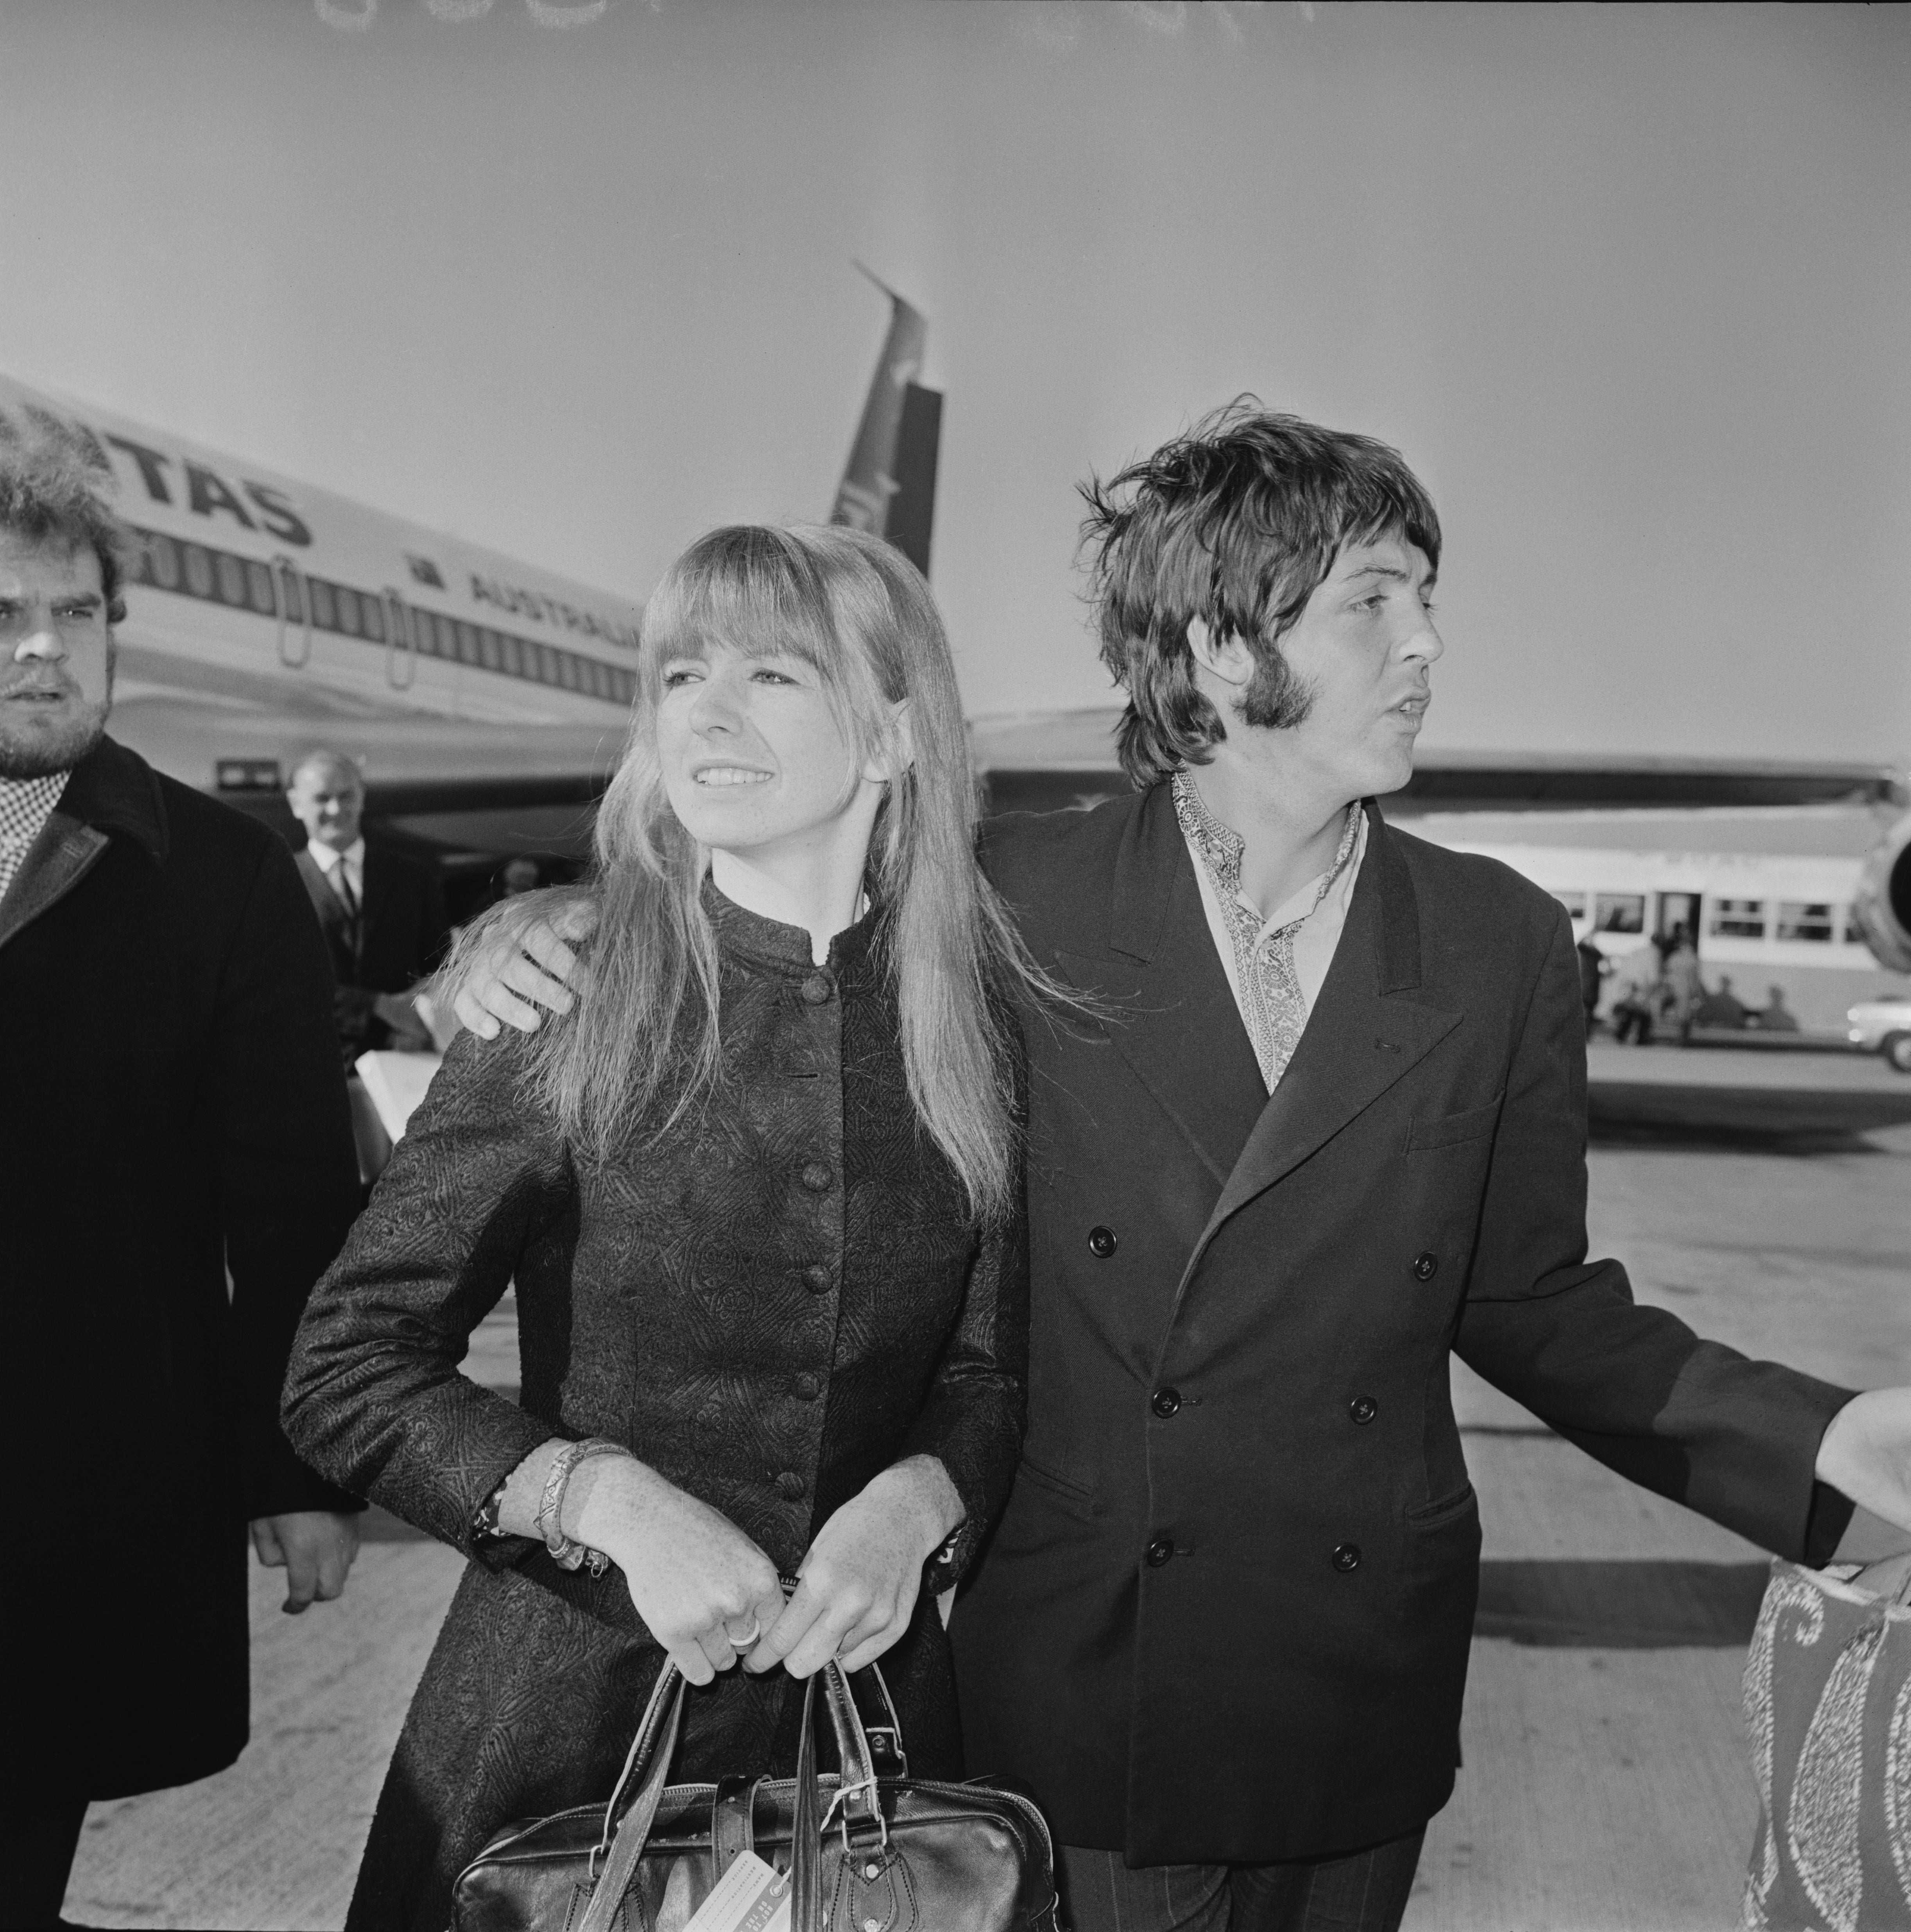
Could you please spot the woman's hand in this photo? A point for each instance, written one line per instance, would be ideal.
(856, 1588)
(697, 1581)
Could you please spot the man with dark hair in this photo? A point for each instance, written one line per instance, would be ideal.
(179, 1119)
(1332, 1131)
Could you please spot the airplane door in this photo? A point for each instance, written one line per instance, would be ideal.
(1678, 909)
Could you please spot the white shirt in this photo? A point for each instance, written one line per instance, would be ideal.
(329, 858)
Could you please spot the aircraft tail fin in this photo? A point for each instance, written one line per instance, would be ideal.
(889, 486)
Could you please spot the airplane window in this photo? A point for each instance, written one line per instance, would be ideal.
(1799, 918)
(232, 577)
(1737, 918)
(1574, 902)
(198, 570)
(259, 582)
(163, 556)
(1620, 912)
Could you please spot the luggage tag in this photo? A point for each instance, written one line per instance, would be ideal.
(752, 1896)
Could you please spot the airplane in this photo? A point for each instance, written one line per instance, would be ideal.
(485, 699)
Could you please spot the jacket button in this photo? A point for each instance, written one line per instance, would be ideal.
(1159, 1552)
(1425, 1266)
(792, 1486)
(1102, 1243)
(1362, 1409)
(1165, 1403)
(1346, 1556)
(817, 989)
(816, 1176)
(816, 1279)
(807, 1386)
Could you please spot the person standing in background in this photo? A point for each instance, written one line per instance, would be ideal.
(179, 1123)
(381, 914)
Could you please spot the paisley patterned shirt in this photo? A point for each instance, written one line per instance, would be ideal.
(25, 806)
(1273, 991)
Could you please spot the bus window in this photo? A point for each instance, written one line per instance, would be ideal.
(199, 570)
(319, 591)
(259, 584)
(231, 578)
(164, 558)
(372, 617)
(1620, 912)
(487, 647)
(1574, 902)
(347, 601)
(1799, 918)
(1736, 918)
(1854, 933)
(508, 648)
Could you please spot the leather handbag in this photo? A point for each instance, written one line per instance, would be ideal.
(864, 1852)
(1827, 1706)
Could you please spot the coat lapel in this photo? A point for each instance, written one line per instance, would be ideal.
(1176, 1024)
(1362, 1036)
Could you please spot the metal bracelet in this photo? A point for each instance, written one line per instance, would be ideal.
(565, 1552)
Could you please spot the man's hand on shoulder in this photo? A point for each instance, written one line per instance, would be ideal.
(1866, 1453)
(518, 971)
(315, 1548)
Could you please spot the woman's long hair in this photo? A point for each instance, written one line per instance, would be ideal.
(643, 1045)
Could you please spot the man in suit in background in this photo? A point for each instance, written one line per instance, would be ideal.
(178, 1173)
(1332, 1130)
(382, 914)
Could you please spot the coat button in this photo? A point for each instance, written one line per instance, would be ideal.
(1165, 1403)
(817, 989)
(792, 1486)
(816, 1176)
(1159, 1552)
(1425, 1266)
(1363, 1408)
(1346, 1556)
(1102, 1243)
(816, 1279)
(807, 1386)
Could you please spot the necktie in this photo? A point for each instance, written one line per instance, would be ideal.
(341, 884)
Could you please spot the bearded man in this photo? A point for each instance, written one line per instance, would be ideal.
(177, 1119)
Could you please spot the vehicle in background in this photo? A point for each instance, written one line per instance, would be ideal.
(1884, 1027)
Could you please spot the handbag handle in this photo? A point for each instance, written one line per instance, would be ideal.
(648, 1762)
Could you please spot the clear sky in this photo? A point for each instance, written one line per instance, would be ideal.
(1631, 287)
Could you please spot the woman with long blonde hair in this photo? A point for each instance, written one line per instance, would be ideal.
(759, 1196)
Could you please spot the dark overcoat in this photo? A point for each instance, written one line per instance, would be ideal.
(1225, 1616)
(174, 1108)
(776, 1301)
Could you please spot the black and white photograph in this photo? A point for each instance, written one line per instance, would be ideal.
(958, 957)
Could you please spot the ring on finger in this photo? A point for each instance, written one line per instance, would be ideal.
(749, 1639)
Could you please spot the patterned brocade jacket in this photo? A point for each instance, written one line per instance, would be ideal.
(780, 1299)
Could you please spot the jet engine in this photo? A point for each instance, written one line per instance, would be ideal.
(1882, 905)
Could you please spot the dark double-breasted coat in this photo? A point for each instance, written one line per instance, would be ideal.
(1225, 1615)
(174, 1109)
(779, 1299)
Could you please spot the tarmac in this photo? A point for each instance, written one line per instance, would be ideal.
(1606, 1786)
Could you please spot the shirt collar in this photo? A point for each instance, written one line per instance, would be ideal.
(326, 856)
(1221, 848)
